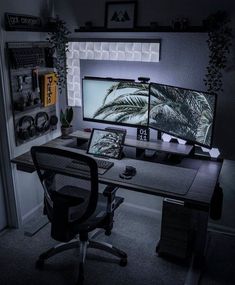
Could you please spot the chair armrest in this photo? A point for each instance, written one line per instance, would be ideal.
(113, 202)
(110, 192)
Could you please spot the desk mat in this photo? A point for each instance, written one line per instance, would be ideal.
(154, 176)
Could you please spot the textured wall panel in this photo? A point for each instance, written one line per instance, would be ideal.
(118, 51)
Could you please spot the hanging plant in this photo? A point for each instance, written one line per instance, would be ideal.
(219, 42)
(58, 39)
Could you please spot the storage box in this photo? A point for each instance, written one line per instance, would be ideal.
(177, 229)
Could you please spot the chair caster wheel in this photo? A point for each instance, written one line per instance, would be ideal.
(39, 264)
(123, 262)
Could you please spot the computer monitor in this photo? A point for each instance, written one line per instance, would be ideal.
(115, 101)
(107, 143)
(183, 113)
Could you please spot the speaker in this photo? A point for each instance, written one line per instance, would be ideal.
(26, 128)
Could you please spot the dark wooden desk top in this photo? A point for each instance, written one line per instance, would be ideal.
(205, 176)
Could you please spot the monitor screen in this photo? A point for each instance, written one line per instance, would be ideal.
(183, 113)
(106, 143)
(115, 101)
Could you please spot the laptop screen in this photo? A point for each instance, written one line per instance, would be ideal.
(107, 143)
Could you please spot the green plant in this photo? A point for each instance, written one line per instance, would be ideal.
(66, 117)
(219, 42)
(58, 40)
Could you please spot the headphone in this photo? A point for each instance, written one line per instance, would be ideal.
(25, 133)
(42, 122)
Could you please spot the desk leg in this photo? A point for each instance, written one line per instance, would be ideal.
(198, 258)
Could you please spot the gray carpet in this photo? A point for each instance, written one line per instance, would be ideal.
(135, 231)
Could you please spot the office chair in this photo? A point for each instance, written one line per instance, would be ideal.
(73, 205)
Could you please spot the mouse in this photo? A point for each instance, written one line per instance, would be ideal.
(128, 173)
(130, 170)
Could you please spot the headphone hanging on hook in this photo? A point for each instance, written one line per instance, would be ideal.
(26, 132)
(42, 122)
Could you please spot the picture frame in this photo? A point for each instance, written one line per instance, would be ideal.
(120, 14)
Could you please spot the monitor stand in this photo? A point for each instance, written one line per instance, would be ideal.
(176, 158)
(168, 157)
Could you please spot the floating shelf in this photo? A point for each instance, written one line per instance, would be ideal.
(191, 29)
(43, 29)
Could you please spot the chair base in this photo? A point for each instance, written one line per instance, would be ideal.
(82, 245)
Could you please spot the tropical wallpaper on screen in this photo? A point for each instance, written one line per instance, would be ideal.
(125, 102)
(106, 143)
(181, 112)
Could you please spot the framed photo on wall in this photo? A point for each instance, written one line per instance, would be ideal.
(120, 15)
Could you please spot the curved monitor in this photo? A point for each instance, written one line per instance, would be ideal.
(183, 113)
(115, 101)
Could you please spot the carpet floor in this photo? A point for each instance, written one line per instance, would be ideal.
(136, 231)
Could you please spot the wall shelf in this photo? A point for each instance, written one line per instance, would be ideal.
(31, 29)
(27, 23)
(191, 29)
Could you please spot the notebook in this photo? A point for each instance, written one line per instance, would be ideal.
(106, 143)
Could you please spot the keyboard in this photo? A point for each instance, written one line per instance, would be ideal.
(103, 165)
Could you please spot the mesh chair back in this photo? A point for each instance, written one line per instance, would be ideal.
(70, 182)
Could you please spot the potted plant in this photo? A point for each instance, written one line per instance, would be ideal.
(66, 118)
(219, 43)
(58, 40)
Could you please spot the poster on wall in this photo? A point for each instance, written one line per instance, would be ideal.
(120, 15)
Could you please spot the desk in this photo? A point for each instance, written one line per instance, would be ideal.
(198, 195)
(200, 187)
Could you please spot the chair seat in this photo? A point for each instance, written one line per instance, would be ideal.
(98, 218)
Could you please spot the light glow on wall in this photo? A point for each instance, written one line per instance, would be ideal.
(145, 51)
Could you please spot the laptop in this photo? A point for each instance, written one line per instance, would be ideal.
(102, 144)
(106, 143)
